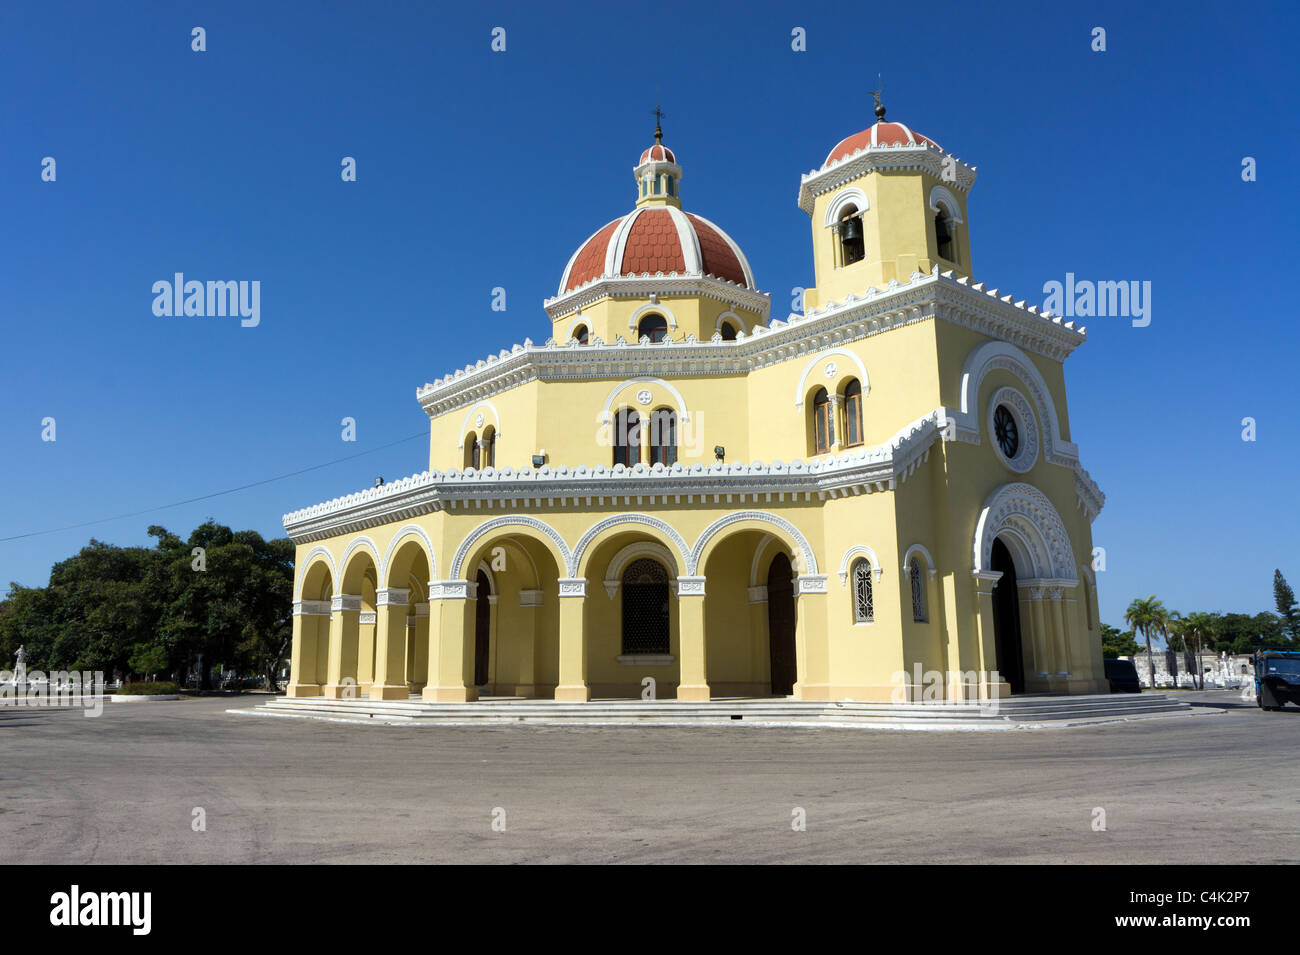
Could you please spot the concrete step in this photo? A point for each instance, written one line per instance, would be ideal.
(1010, 714)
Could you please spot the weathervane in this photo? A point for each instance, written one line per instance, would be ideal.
(880, 107)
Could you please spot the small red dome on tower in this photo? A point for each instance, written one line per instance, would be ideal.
(881, 134)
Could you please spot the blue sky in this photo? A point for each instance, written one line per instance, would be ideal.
(225, 164)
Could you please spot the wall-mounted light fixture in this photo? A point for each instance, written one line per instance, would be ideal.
(719, 452)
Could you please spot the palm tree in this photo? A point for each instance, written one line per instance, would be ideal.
(1199, 626)
(1145, 616)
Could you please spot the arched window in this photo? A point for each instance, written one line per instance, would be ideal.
(918, 590)
(943, 235)
(471, 450)
(653, 326)
(645, 607)
(860, 576)
(728, 332)
(823, 431)
(853, 246)
(853, 413)
(627, 438)
(663, 437)
(488, 447)
(580, 333)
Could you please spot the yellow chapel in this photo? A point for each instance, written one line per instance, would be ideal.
(678, 492)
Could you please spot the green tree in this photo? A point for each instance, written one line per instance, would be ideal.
(1117, 643)
(1284, 598)
(1148, 616)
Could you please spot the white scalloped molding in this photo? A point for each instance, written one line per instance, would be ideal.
(924, 297)
(876, 158)
(864, 470)
(637, 549)
(410, 530)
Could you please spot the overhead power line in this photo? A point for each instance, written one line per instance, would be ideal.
(208, 497)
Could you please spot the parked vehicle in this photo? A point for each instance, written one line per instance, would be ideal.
(1277, 678)
(1122, 676)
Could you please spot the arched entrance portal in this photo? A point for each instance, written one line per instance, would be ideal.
(780, 624)
(482, 630)
(1006, 619)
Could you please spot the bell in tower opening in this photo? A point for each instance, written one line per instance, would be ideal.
(851, 239)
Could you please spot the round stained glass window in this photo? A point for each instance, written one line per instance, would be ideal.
(1005, 431)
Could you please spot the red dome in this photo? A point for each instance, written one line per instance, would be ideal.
(658, 239)
(658, 153)
(881, 134)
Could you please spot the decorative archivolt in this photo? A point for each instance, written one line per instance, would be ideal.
(819, 359)
(1032, 529)
(317, 554)
(637, 549)
(410, 530)
(942, 194)
(644, 520)
(805, 560)
(836, 206)
(852, 554)
(658, 309)
(478, 407)
(918, 549)
(510, 520)
(993, 356)
(682, 413)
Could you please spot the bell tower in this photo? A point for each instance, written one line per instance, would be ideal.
(886, 203)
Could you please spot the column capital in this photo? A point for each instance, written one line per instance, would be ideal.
(453, 590)
(810, 584)
(349, 603)
(758, 595)
(690, 586)
(573, 586)
(530, 598)
(392, 597)
(311, 608)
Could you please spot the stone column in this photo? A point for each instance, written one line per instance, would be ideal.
(760, 664)
(986, 646)
(390, 645)
(494, 654)
(694, 683)
(1061, 659)
(836, 432)
(310, 617)
(529, 602)
(1038, 632)
(573, 641)
(345, 630)
(451, 655)
(420, 658)
(810, 645)
(366, 650)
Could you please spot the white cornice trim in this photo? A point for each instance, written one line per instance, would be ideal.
(937, 295)
(877, 158)
(865, 471)
(661, 283)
